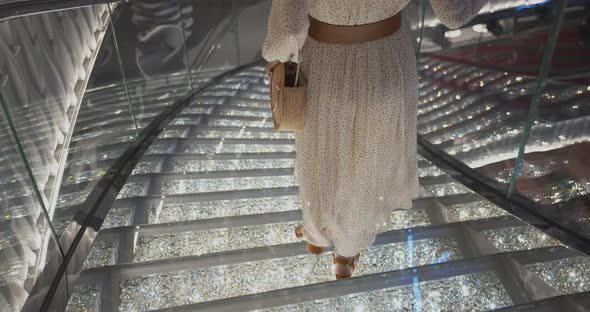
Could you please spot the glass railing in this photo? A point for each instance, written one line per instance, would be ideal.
(45, 65)
(101, 132)
(81, 90)
(506, 96)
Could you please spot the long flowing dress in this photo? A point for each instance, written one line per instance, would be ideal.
(356, 157)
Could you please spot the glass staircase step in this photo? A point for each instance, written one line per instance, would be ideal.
(206, 223)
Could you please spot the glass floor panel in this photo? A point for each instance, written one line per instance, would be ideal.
(473, 292)
(205, 239)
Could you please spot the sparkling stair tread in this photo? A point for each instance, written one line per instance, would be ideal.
(241, 255)
(472, 292)
(253, 277)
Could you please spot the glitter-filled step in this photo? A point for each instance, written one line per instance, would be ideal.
(225, 184)
(473, 292)
(158, 291)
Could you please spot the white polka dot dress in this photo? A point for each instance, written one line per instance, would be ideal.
(356, 157)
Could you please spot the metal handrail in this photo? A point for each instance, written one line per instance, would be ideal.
(517, 205)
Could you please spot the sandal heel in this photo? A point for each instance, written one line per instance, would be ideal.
(316, 250)
(346, 261)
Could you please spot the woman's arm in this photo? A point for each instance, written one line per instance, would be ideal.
(287, 30)
(456, 13)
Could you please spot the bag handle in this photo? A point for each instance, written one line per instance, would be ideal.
(297, 73)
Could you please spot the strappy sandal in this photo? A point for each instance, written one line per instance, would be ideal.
(316, 250)
(346, 261)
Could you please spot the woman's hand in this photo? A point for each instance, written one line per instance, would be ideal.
(269, 67)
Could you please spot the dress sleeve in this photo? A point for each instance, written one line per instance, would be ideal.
(456, 13)
(287, 30)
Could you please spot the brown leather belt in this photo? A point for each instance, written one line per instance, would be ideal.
(346, 34)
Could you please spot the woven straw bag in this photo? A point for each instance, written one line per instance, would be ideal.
(288, 97)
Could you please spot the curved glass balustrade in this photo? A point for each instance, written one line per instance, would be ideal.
(141, 170)
(511, 101)
(79, 87)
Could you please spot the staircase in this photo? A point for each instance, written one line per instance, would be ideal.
(206, 223)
